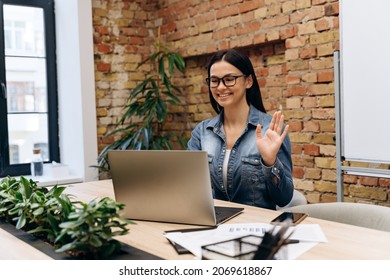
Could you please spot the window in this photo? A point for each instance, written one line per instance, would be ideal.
(28, 99)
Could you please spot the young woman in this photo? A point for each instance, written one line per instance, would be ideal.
(249, 150)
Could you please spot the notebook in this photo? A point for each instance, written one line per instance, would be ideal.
(166, 186)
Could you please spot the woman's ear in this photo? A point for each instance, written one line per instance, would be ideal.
(249, 81)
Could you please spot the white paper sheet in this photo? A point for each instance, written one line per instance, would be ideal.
(308, 236)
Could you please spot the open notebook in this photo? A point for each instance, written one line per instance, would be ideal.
(166, 186)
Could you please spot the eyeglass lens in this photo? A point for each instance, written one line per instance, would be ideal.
(228, 81)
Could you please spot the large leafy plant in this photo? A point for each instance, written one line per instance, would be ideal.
(141, 125)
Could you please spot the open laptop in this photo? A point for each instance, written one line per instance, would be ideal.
(166, 186)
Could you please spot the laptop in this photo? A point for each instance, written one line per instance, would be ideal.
(166, 186)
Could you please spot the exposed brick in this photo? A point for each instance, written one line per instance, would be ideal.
(384, 182)
(103, 48)
(332, 9)
(322, 24)
(350, 179)
(307, 28)
(327, 126)
(308, 52)
(325, 76)
(301, 137)
(298, 41)
(324, 186)
(295, 126)
(312, 150)
(326, 198)
(326, 101)
(324, 138)
(324, 162)
(369, 181)
(302, 161)
(287, 32)
(329, 175)
(313, 197)
(304, 185)
(311, 126)
(309, 102)
(298, 172)
(313, 173)
(103, 67)
(327, 150)
(293, 103)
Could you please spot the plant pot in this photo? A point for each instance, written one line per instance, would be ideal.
(126, 253)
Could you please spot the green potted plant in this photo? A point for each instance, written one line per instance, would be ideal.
(89, 230)
(82, 230)
(140, 127)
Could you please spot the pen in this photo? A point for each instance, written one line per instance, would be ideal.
(291, 241)
(189, 229)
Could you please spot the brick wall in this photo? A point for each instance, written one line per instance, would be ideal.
(291, 45)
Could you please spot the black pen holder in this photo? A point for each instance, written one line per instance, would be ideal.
(243, 248)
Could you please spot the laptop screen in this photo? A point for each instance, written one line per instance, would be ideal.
(163, 185)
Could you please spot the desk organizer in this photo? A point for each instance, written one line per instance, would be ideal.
(243, 248)
(250, 247)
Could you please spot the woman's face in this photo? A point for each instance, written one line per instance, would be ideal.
(233, 94)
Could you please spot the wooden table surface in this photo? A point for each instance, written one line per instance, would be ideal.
(345, 242)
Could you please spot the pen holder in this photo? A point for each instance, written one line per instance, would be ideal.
(251, 247)
(243, 248)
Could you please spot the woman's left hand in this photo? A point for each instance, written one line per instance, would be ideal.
(269, 144)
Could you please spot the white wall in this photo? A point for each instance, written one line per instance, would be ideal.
(76, 87)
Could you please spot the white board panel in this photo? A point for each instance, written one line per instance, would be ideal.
(365, 80)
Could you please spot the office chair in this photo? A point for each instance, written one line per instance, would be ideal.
(358, 214)
(297, 199)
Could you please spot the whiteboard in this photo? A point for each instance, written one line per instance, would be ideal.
(365, 80)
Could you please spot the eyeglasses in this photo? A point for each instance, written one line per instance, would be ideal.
(228, 80)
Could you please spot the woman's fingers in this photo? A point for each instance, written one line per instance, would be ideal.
(273, 121)
(278, 129)
(285, 131)
(276, 125)
(258, 131)
(277, 122)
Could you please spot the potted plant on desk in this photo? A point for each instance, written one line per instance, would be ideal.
(82, 230)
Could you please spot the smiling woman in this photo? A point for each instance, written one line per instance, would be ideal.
(249, 150)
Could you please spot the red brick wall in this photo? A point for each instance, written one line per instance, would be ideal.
(291, 44)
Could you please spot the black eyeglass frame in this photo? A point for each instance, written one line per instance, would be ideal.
(223, 80)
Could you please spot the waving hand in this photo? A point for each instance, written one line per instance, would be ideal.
(269, 144)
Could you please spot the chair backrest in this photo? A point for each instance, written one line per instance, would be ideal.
(297, 199)
(358, 214)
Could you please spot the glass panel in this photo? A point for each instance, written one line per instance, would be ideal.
(26, 84)
(26, 74)
(24, 31)
(26, 132)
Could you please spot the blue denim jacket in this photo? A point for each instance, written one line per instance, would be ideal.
(248, 180)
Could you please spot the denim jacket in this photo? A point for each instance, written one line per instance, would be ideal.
(249, 181)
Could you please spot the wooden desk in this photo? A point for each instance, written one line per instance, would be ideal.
(344, 241)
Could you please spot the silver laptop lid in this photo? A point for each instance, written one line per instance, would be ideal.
(163, 185)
